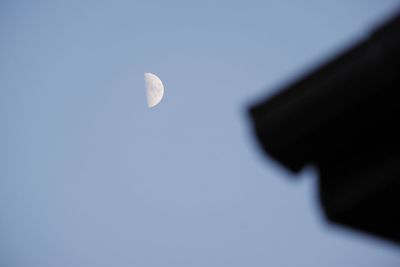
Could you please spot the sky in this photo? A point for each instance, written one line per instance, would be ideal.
(90, 176)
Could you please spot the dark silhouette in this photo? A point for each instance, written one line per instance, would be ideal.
(344, 118)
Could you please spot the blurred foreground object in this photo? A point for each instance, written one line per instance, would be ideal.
(344, 119)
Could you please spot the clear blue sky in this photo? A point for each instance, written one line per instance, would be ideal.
(89, 176)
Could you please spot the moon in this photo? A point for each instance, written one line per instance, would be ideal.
(154, 89)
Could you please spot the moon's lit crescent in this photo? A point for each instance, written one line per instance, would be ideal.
(154, 89)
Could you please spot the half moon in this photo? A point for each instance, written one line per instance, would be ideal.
(154, 89)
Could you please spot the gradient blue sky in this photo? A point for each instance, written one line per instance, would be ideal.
(91, 177)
